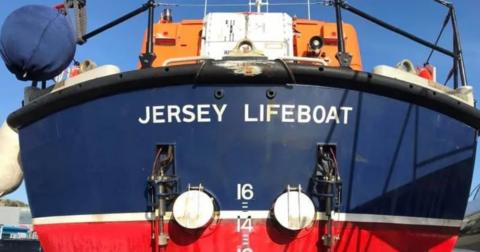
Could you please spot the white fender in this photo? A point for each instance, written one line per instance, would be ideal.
(11, 174)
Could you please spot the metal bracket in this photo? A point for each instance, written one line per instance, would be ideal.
(445, 3)
(196, 188)
(344, 58)
(71, 3)
(146, 59)
(327, 186)
(294, 189)
(168, 185)
(162, 188)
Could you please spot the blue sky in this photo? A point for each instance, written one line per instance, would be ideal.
(121, 45)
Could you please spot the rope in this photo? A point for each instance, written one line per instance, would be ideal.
(475, 192)
(445, 22)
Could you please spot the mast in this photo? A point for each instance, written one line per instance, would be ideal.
(258, 5)
(308, 9)
(343, 57)
(205, 8)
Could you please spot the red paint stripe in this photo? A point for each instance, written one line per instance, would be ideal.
(222, 236)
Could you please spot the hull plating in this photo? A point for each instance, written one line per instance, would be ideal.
(395, 159)
(265, 236)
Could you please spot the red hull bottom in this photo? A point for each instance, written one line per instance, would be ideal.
(264, 236)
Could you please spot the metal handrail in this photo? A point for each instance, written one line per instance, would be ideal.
(458, 69)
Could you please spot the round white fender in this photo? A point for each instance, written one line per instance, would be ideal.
(294, 210)
(193, 209)
(10, 168)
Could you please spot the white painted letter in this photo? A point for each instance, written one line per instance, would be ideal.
(261, 113)
(333, 115)
(201, 112)
(187, 110)
(219, 111)
(147, 116)
(247, 117)
(173, 111)
(304, 114)
(157, 113)
(315, 114)
(345, 113)
(288, 110)
(271, 112)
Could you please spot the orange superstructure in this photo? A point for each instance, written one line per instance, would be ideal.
(174, 40)
(305, 29)
(184, 39)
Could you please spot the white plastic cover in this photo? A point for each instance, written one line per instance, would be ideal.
(294, 210)
(271, 33)
(463, 94)
(11, 174)
(193, 209)
(95, 73)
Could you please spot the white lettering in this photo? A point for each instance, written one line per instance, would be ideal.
(261, 113)
(147, 116)
(287, 113)
(315, 114)
(173, 111)
(157, 113)
(287, 110)
(219, 111)
(247, 116)
(303, 114)
(187, 111)
(332, 115)
(271, 112)
(202, 110)
(346, 110)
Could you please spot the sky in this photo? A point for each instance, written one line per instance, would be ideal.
(121, 45)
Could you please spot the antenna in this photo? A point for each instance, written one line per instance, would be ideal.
(308, 9)
(258, 5)
(205, 8)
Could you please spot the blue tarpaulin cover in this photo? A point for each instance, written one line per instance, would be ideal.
(37, 42)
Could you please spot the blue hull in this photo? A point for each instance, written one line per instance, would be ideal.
(395, 158)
